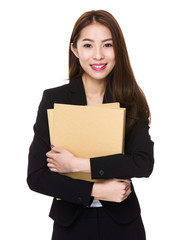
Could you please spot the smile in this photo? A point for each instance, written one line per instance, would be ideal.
(98, 67)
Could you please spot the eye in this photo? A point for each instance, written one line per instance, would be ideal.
(87, 45)
(108, 45)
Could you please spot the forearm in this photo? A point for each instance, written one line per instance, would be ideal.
(53, 184)
(138, 160)
(42, 180)
(122, 166)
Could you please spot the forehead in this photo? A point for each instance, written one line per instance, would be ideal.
(95, 31)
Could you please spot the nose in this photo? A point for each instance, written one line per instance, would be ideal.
(98, 53)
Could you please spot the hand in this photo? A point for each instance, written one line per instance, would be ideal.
(114, 190)
(60, 160)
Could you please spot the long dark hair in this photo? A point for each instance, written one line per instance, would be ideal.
(121, 81)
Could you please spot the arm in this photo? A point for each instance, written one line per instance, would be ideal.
(40, 178)
(137, 161)
(62, 161)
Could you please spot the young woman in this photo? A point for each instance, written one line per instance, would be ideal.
(99, 72)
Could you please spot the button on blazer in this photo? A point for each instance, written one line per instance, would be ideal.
(75, 194)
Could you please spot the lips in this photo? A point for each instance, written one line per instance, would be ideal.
(98, 66)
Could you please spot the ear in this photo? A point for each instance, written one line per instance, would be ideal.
(74, 50)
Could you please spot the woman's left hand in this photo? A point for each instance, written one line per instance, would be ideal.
(60, 160)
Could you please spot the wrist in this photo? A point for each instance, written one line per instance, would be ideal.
(96, 190)
(81, 165)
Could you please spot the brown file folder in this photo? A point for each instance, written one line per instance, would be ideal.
(50, 113)
(87, 131)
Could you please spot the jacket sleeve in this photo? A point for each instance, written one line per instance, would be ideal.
(40, 178)
(137, 161)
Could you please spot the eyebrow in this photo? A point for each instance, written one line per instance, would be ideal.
(90, 40)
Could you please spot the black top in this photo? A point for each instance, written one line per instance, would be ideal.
(137, 161)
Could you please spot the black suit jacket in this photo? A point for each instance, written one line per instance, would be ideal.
(75, 194)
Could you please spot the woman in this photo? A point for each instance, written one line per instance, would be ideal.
(99, 72)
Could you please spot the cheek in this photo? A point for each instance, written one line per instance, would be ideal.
(84, 56)
(111, 60)
(110, 55)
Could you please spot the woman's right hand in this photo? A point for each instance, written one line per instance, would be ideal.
(114, 190)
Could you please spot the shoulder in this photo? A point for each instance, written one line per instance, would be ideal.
(53, 95)
(59, 93)
(63, 94)
(56, 91)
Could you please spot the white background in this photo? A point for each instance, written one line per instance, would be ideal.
(34, 56)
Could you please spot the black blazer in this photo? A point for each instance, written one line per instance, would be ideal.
(75, 194)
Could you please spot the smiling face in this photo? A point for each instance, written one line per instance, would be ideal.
(95, 51)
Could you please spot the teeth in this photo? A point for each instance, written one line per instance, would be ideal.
(96, 66)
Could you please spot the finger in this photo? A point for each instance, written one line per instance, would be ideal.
(127, 193)
(53, 152)
(56, 149)
(50, 160)
(53, 169)
(50, 154)
(127, 186)
(125, 180)
(50, 165)
(121, 180)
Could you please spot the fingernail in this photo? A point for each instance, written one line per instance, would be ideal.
(52, 146)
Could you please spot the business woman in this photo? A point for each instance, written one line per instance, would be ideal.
(99, 72)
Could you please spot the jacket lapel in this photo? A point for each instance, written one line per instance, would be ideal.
(77, 94)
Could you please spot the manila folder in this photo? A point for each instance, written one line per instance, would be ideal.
(87, 131)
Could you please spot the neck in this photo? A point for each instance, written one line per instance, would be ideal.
(94, 87)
